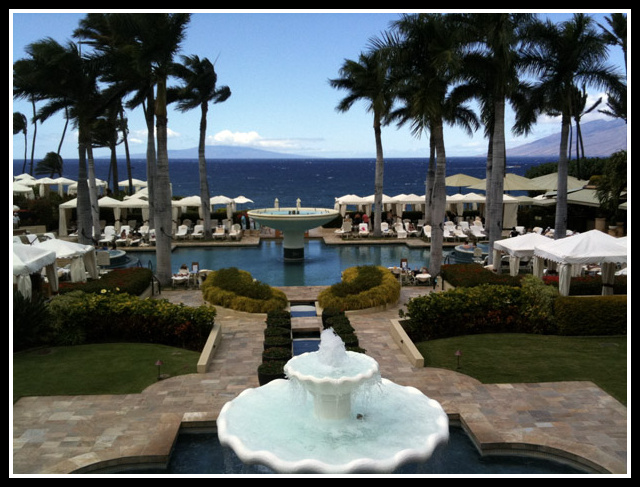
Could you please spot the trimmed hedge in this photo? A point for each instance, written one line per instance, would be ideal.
(79, 317)
(236, 289)
(361, 287)
(132, 280)
(591, 315)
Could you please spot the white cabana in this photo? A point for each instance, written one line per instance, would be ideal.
(342, 202)
(21, 189)
(517, 248)
(82, 257)
(29, 260)
(65, 209)
(592, 247)
(137, 184)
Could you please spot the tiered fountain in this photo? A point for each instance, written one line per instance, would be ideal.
(293, 223)
(333, 415)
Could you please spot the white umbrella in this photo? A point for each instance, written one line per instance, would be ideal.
(512, 182)
(83, 257)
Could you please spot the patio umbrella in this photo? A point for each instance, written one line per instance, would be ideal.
(461, 180)
(550, 182)
(512, 182)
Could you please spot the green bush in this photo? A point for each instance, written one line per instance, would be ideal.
(384, 288)
(464, 311)
(279, 318)
(276, 353)
(236, 289)
(30, 318)
(278, 341)
(469, 275)
(132, 280)
(78, 317)
(591, 315)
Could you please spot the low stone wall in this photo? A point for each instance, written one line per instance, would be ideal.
(210, 348)
(406, 344)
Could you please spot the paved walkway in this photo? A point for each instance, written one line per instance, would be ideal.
(61, 435)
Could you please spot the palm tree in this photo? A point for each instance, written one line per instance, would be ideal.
(66, 80)
(491, 65)
(20, 125)
(368, 80)
(199, 89)
(429, 48)
(617, 36)
(564, 56)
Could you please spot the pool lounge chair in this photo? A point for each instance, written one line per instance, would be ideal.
(124, 240)
(386, 231)
(198, 231)
(399, 230)
(426, 232)
(345, 229)
(219, 233)
(363, 229)
(182, 232)
(109, 235)
(236, 232)
(411, 230)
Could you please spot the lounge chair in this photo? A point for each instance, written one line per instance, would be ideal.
(459, 234)
(152, 236)
(426, 232)
(399, 230)
(386, 231)
(182, 232)
(198, 231)
(124, 230)
(144, 231)
(411, 230)
(363, 229)
(109, 235)
(219, 233)
(236, 232)
(345, 229)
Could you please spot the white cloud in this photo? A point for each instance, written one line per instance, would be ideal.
(255, 140)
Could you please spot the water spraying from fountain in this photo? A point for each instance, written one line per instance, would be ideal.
(346, 420)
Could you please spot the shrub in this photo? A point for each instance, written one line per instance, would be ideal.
(537, 306)
(588, 285)
(276, 353)
(592, 315)
(30, 317)
(78, 317)
(236, 289)
(132, 280)
(385, 289)
(274, 331)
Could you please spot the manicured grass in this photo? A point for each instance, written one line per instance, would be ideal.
(513, 358)
(113, 368)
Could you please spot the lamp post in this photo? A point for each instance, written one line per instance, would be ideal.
(458, 355)
(159, 364)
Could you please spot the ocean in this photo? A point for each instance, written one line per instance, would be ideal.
(317, 182)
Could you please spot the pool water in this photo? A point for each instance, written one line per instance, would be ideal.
(322, 266)
(200, 452)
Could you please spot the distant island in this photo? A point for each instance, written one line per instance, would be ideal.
(601, 139)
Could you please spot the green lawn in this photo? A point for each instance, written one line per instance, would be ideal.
(505, 358)
(124, 368)
(119, 368)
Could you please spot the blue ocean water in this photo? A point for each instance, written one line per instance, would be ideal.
(317, 182)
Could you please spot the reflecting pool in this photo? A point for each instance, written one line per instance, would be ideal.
(322, 266)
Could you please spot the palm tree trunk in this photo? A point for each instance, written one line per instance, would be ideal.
(202, 167)
(378, 180)
(83, 209)
(438, 202)
(93, 194)
(162, 191)
(496, 184)
(149, 115)
(560, 230)
(428, 183)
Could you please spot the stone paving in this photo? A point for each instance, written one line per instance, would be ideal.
(574, 421)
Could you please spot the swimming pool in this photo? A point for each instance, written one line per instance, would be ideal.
(322, 266)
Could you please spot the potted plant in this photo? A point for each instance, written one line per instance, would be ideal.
(270, 370)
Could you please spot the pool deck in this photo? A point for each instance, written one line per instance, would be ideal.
(73, 434)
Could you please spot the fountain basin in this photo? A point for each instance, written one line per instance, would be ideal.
(293, 222)
(391, 426)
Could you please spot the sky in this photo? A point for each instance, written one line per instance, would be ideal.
(277, 65)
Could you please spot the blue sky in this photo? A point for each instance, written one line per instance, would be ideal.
(277, 64)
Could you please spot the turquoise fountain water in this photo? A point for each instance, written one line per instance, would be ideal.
(334, 414)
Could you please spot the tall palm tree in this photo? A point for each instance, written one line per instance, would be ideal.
(563, 56)
(492, 64)
(429, 56)
(66, 80)
(367, 79)
(199, 89)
